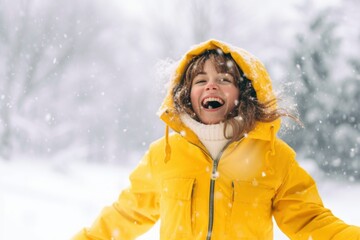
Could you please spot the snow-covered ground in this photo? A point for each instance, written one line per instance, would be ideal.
(42, 201)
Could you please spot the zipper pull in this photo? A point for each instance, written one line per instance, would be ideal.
(214, 174)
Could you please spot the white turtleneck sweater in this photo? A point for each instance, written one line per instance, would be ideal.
(212, 135)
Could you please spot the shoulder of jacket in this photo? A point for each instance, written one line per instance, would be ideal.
(160, 142)
(283, 148)
(172, 135)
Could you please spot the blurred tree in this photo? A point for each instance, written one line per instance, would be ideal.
(321, 93)
(49, 52)
(36, 50)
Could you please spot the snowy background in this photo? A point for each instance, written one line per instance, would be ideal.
(81, 81)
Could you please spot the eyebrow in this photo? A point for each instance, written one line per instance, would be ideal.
(204, 73)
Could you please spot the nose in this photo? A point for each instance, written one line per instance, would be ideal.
(211, 86)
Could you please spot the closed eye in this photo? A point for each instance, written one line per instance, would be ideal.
(199, 81)
(225, 78)
(226, 81)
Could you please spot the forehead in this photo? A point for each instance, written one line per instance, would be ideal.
(220, 63)
(209, 66)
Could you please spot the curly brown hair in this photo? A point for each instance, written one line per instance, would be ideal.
(248, 111)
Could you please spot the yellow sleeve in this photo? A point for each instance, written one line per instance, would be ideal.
(300, 214)
(135, 211)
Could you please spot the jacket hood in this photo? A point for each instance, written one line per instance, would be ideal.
(252, 68)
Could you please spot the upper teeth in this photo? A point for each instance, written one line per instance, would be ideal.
(212, 99)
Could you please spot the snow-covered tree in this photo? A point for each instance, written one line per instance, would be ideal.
(325, 97)
(62, 78)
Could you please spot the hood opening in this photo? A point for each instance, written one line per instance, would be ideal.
(251, 67)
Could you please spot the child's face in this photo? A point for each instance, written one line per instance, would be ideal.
(213, 95)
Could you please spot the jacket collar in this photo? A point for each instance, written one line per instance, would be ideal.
(262, 131)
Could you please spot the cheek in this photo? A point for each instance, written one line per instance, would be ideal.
(234, 97)
(194, 97)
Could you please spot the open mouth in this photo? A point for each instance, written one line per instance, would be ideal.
(212, 103)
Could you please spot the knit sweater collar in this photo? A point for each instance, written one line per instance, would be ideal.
(212, 135)
(213, 132)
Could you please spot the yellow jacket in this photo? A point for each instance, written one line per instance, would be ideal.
(257, 178)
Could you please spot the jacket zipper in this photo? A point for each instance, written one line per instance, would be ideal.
(214, 176)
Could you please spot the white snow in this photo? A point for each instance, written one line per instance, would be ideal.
(40, 200)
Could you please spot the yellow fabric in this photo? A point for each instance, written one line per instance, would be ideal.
(258, 178)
